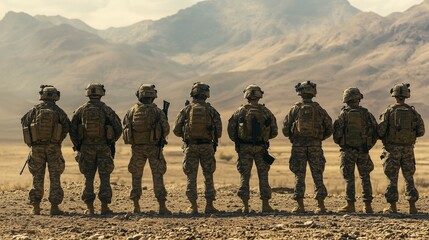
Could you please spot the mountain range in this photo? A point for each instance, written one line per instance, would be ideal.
(226, 43)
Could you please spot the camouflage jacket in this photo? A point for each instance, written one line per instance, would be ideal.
(62, 116)
(340, 125)
(233, 122)
(161, 119)
(183, 116)
(383, 126)
(291, 118)
(111, 118)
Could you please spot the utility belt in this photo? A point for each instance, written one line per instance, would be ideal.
(258, 143)
(198, 142)
(359, 149)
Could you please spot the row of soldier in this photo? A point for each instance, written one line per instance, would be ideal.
(95, 128)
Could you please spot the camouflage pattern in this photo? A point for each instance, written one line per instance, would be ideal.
(355, 156)
(141, 153)
(247, 153)
(43, 154)
(307, 149)
(93, 157)
(198, 153)
(349, 159)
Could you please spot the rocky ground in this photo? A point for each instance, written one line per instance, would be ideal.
(16, 221)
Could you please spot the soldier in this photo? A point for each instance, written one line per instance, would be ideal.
(355, 131)
(399, 127)
(45, 127)
(145, 128)
(200, 126)
(307, 124)
(251, 127)
(95, 128)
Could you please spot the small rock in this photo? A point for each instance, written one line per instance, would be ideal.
(308, 223)
(136, 237)
(20, 237)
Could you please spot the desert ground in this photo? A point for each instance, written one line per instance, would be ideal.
(17, 222)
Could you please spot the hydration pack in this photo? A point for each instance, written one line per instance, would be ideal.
(199, 123)
(402, 126)
(309, 121)
(145, 127)
(253, 125)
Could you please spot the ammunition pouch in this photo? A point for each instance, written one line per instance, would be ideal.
(128, 136)
(110, 134)
(27, 136)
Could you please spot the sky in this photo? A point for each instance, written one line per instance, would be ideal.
(102, 14)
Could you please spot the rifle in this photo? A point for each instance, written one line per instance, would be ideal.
(267, 157)
(162, 141)
(25, 164)
(256, 132)
(112, 146)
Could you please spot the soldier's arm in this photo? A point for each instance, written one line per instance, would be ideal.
(28, 117)
(232, 126)
(288, 122)
(74, 128)
(382, 126)
(338, 131)
(164, 123)
(420, 130)
(65, 123)
(327, 125)
(180, 122)
(217, 123)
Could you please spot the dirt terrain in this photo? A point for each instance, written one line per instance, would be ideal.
(16, 221)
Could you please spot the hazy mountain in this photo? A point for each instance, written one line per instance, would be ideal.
(58, 20)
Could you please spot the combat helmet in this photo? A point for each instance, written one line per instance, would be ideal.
(95, 89)
(147, 91)
(49, 93)
(352, 94)
(401, 90)
(200, 88)
(253, 91)
(306, 88)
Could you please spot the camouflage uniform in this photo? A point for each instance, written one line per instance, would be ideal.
(397, 157)
(95, 153)
(247, 153)
(199, 152)
(142, 152)
(359, 156)
(307, 149)
(47, 153)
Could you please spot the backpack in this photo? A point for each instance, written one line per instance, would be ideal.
(45, 126)
(198, 123)
(402, 124)
(253, 125)
(355, 134)
(308, 122)
(93, 124)
(144, 125)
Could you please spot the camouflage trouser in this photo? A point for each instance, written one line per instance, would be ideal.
(298, 165)
(195, 154)
(350, 158)
(95, 157)
(40, 156)
(158, 167)
(246, 155)
(394, 158)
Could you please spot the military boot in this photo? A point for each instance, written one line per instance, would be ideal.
(348, 208)
(391, 209)
(367, 208)
(300, 208)
(245, 208)
(55, 210)
(266, 206)
(413, 209)
(136, 206)
(193, 209)
(36, 208)
(210, 208)
(90, 208)
(163, 210)
(320, 206)
(105, 209)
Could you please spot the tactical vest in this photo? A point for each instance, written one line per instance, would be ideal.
(145, 125)
(198, 123)
(308, 121)
(94, 129)
(402, 126)
(355, 134)
(45, 127)
(253, 125)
